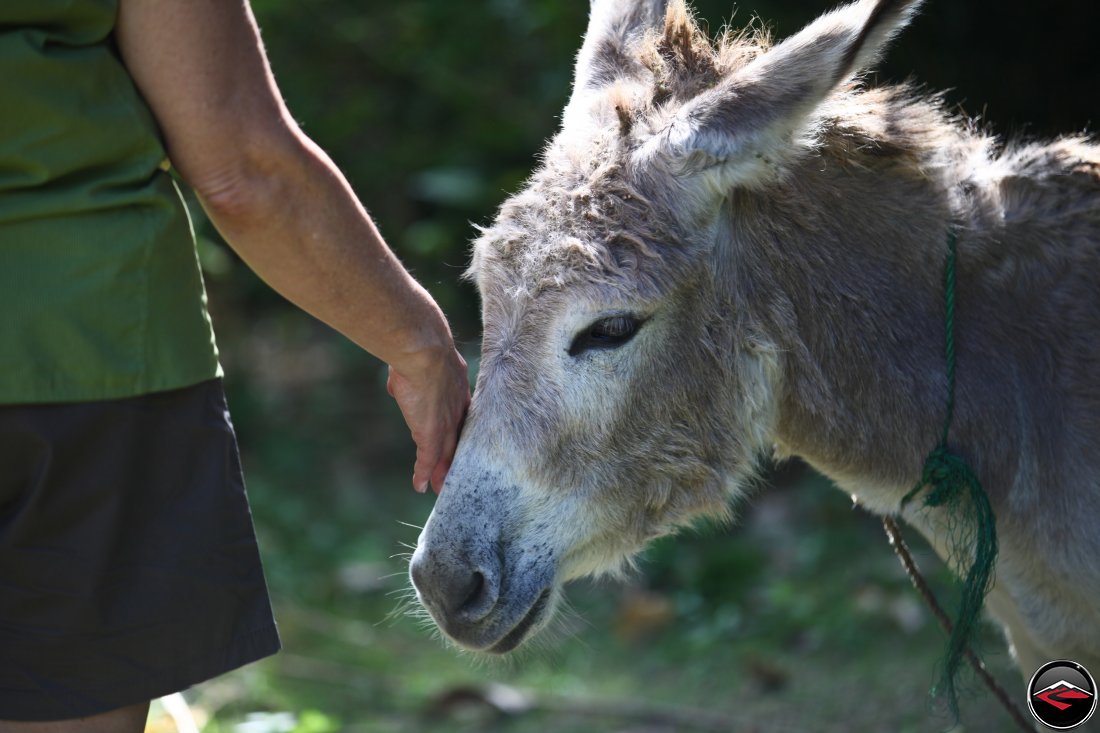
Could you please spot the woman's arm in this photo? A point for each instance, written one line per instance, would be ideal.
(286, 209)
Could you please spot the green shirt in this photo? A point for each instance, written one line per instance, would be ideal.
(100, 290)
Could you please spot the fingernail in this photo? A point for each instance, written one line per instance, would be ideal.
(422, 488)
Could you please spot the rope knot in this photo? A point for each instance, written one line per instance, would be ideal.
(968, 516)
(947, 474)
(973, 542)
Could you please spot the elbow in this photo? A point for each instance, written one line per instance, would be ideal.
(246, 183)
(235, 193)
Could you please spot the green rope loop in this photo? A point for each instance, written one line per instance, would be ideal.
(949, 329)
(955, 487)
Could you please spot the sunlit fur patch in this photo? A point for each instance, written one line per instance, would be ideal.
(594, 457)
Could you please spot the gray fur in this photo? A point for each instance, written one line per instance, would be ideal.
(783, 240)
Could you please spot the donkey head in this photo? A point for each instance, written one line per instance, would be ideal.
(624, 389)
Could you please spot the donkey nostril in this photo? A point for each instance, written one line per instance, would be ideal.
(479, 599)
(455, 588)
(477, 585)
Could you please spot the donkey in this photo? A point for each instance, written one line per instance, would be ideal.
(732, 247)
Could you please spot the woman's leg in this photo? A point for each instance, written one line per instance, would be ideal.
(130, 719)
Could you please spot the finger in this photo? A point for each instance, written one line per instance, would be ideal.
(446, 457)
(439, 475)
(420, 475)
(450, 443)
(427, 456)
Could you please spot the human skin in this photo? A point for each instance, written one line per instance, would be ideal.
(122, 720)
(287, 210)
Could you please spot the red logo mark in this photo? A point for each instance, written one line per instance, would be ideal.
(1059, 691)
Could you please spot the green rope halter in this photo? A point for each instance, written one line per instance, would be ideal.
(974, 528)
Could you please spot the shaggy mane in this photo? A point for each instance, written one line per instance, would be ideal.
(684, 60)
(581, 216)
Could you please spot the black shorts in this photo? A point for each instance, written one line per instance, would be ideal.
(128, 563)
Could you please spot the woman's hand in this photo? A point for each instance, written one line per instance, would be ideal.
(433, 398)
(286, 208)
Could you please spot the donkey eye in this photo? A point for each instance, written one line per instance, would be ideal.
(606, 333)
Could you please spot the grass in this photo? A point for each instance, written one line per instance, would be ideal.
(797, 619)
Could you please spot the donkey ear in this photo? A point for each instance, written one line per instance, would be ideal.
(603, 58)
(746, 123)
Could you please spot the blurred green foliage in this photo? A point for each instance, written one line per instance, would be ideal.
(437, 110)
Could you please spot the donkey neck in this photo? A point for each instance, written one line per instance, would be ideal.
(846, 265)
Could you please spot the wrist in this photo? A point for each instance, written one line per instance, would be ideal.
(426, 352)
